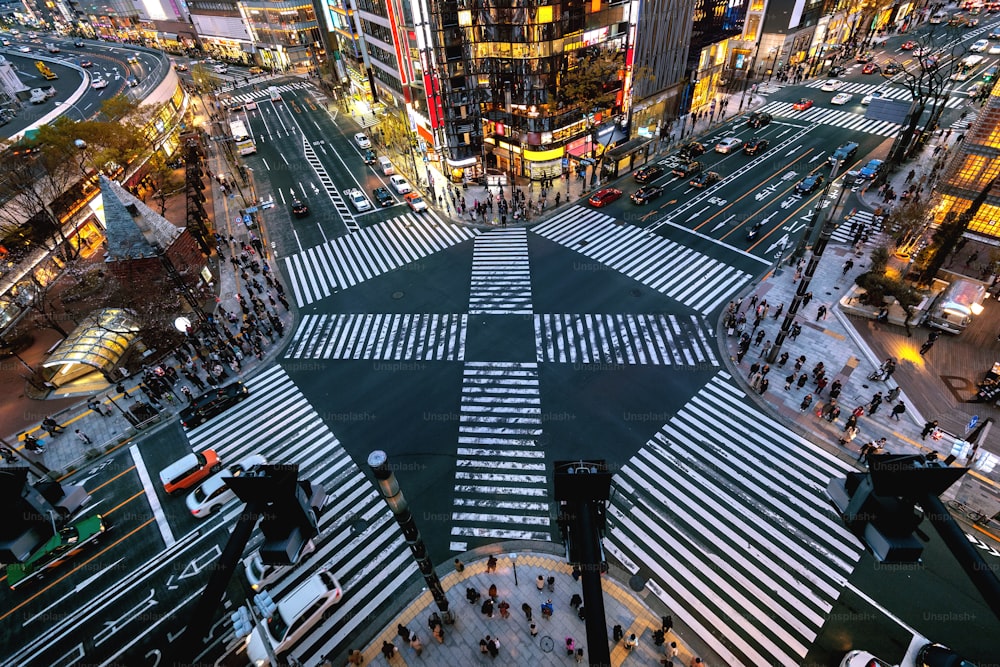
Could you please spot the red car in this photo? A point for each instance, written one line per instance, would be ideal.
(604, 196)
(908, 44)
(869, 68)
(803, 104)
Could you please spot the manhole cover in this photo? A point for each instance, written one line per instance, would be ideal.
(397, 295)
(637, 583)
(546, 644)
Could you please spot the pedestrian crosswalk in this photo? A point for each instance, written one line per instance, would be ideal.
(888, 92)
(250, 96)
(501, 479)
(630, 339)
(359, 539)
(863, 225)
(501, 276)
(965, 122)
(724, 511)
(838, 117)
(347, 260)
(398, 337)
(688, 276)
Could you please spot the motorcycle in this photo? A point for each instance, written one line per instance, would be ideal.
(753, 231)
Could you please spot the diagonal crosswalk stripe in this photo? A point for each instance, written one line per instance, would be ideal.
(722, 482)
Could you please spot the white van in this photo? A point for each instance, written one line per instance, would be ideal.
(37, 96)
(295, 615)
(956, 305)
(386, 166)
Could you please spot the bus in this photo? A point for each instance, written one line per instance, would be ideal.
(965, 68)
(273, 92)
(244, 142)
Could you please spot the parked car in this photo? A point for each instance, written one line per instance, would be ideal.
(382, 196)
(362, 140)
(415, 202)
(803, 104)
(604, 196)
(841, 98)
(358, 199)
(758, 119)
(299, 209)
(209, 496)
(728, 145)
(705, 179)
(646, 194)
(649, 173)
(687, 169)
(212, 403)
(755, 145)
(690, 150)
(832, 85)
(810, 183)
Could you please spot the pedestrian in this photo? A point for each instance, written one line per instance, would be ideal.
(848, 265)
(759, 338)
(876, 401)
(777, 312)
(669, 653)
(796, 330)
(388, 650)
(52, 427)
(755, 380)
(416, 645)
(570, 646)
(789, 381)
(540, 583)
(799, 363)
(504, 608)
(493, 645)
(579, 655)
(403, 632)
(783, 359)
(547, 609)
(928, 429)
(533, 629)
(438, 633)
(526, 608)
(818, 370)
(765, 349)
(459, 566)
(482, 646)
(552, 584)
(762, 387)
(355, 657)
(491, 564)
(850, 433)
(802, 380)
(630, 642)
(472, 595)
(806, 402)
(821, 313)
(575, 601)
(898, 409)
(487, 608)
(754, 367)
(96, 406)
(695, 662)
(187, 394)
(617, 633)
(492, 592)
(807, 297)
(83, 437)
(835, 389)
(893, 394)
(820, 384)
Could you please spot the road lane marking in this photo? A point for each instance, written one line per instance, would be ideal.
(151, 497)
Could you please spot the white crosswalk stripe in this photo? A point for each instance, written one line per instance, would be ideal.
(724, 510)
(865, 222)
(359, 540)
(264, 91)
(696, 280)
(501, 276)
(347, 260)
(888, 92)
(838, 117)
(501, 479)
(400, 337)
(630, 339)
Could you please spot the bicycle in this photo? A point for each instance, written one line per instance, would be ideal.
(976, 516)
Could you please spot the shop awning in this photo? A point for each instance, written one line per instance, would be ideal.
(99, 342)
(629, 147)
(467, 162)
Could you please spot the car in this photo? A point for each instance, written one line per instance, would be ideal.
(865, 57)
(604, 196)
(131, 82)
(212, 403)
(869, 68)
(358, 199)
(843, 153)
(755, 145)
(841, 98)
(908, 45)
(382, 196)
(256, 70)
(25, 49)
(399, 184)
(250, 106)
(995, 33)
(221, 69)
(810, 183)
(803, 104)
(686, 169)
(870, 170)
(260, 574)
(180, 67)
(86, 63)
(690, 150)
(832, 85)
(134, 59)
(705, 179)
(79, 44)
(994, 49)
(299, 209)
(52, 48)
(415, 202)
(647, 174)
(728, 145)
(38, 96)
(874, 95)
(979, 45)
(188, 470)
(646, 194)
(5, 42)
(369, 156)
(891, 68)
(209, 496)
(862, 659)
(759, 119)
(66, 543)
(362, 140)
(836, 70)
(936, 655)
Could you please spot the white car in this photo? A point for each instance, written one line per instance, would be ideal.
(862, 659)
(250, 106)
(921, 51)
(980, 45)
(841, 98)
(874, 95)
(399, 184)
(994, 49)
(358, 199)
(99, 83)
(212, 494)
(728, 145)
(832, 85)
(362, 140)
(25, 49)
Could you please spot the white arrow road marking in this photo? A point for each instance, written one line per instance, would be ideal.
(721, 224)
(816, 157)
(112, 626)
(793, 150)
(779, 243)
(696, 214)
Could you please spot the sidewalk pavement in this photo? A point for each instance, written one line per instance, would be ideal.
(460, 647)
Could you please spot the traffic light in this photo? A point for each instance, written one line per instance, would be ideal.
(242, 625)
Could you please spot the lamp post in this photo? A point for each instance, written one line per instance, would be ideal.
(513, 564)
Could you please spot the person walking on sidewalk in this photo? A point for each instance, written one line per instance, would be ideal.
(97, 407)
(928, 429)
(835, 389)
(83, 437)
(875, 403)
(821, 313)
(52, 427)
(929, 343)
(897, 410)
(806, 402)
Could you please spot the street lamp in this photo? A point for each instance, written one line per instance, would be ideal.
(513, 563)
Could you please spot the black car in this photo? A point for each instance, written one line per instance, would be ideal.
(383, 197)
(758, 119)
(646, 194)
(299, 209)
(836, 70)
(693, 149)
(705, 179)
(810, 183)
(647, 174)
(843, 153)
(755, 145)
(211, 403)
(79, 44)
(687, 169)
(891, 68)
(370, 156)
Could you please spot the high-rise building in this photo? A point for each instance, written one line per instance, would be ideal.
(714, 24)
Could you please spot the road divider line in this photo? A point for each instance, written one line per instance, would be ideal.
(154, 501)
